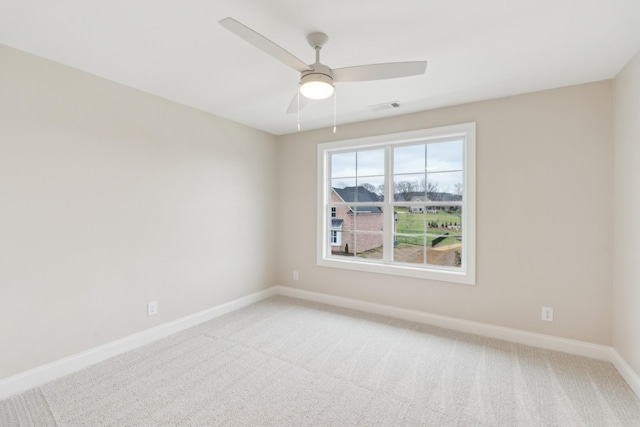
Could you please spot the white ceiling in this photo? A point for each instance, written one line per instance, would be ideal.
(475, 49)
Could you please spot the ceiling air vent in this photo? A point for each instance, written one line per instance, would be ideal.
(385, 106)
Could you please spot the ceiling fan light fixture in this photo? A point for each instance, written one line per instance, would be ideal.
(316, 86)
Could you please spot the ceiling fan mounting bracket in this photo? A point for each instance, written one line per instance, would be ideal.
(317, 40)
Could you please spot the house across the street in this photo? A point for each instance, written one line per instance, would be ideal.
(359, 227)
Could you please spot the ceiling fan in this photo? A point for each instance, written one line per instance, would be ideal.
(317, 80)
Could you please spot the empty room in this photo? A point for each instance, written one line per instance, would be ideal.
(292, 213)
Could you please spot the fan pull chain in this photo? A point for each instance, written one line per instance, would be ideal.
(334, 111)
(298, 98)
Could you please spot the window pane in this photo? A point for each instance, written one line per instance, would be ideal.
(409, 159)
(372, 184)
(343, 165)
(444, 240)
(407, 188)
(368, 245)
(444, 187)
(343, 182)
(410, 219)
(446, 255)
(409, 249)
(355, 194)
(345, 247)
(409, 234)
(444, 156)
(362, 244)
(370, 162)
(369, 224)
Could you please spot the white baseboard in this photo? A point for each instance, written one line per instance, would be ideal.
(549, 342)
(43, 374)
(626, 371)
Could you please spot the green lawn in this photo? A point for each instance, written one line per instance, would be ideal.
(414, 223)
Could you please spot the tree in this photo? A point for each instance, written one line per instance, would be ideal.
(423, 184)
(433, 191)
(409, 217)
(369, 187)
(458, 188)
(404, 189)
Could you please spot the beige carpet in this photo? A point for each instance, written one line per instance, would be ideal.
(286, 362)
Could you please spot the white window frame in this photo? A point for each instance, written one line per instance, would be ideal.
(466, 273)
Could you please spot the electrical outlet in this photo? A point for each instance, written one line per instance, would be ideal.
(152, 308)
(547, 314)
(295, 274)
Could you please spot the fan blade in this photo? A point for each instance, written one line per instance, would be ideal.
(390, 70)
(293, 105)
(264, 44)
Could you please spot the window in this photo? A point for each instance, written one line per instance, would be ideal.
(336, 232)
(400, 204)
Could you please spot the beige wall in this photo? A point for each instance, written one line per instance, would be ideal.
(111, 198)
(544, 215)
(626, 161)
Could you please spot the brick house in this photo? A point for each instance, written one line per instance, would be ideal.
(344, 219)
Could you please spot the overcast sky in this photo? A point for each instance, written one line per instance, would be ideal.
(440, 163)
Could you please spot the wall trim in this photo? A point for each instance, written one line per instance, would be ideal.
(626, 371)
(59, 368)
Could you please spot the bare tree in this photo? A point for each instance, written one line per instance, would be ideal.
(458, 188)
(369, 187)
(432, 191)
(373, 190)
(404, 189)
(423, 184)
(409, 216)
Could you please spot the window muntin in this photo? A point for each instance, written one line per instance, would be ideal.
(407, 203)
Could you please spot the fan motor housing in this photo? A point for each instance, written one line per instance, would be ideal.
(318, 69)
(312, 76)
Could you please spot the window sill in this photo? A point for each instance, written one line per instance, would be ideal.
(443, 275)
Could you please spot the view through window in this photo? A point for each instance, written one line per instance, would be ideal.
(402, 202)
